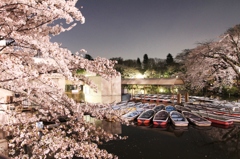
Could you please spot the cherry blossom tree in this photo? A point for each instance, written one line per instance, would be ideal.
(26, 67)
(215, 62)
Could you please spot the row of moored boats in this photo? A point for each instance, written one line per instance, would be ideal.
(201, 114)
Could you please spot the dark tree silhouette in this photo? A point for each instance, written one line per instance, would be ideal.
(118, 59)
(139, 64)
(89, 57)
(145, 62)
(169, 59)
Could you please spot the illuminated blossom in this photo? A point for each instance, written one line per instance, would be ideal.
(26, 67)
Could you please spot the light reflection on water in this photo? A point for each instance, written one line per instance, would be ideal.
(110, 127)
(147, 141)
(192, 142)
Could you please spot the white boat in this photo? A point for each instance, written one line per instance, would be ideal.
(196, 119)
(178, 119)
(130, 116)
(119, 106)
(139, 107)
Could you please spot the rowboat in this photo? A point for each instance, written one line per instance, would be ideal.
(170, 108)
(227, 112)
(161, 118)
(216, 118)
(178, 119)
(182, 108)
(196, 119)
(158, 108)
(130, 116)
(148, 106)
(228, 116)
(146, 116)
(119, 106)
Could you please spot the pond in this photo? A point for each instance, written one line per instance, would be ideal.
(192, 142)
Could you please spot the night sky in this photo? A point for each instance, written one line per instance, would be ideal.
(132, 28)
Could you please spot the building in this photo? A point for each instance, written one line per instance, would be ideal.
(151, 85)
(108, 91)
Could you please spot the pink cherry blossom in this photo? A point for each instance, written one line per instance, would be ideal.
(26, 66)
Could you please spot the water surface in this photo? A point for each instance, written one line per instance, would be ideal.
(192, 142)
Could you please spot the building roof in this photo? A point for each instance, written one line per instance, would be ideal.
(154, 81)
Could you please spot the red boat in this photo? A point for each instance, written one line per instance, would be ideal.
(161, 118)
(216, 118)
(146, 116)
(233, 114)
(220, 121)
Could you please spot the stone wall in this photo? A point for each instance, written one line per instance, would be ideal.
(108, 91)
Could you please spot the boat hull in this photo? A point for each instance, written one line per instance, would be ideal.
(144, 121)
(180, 123)
(130, 116)
(196, 119)
(178, 119)
(221, 122)
(216, 118)
(201, 123)
(161, 118)
(146, 116)
(161, 123)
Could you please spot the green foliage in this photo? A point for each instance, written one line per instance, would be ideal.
(181, 57)
(80, 71)
(118, 59)
(150, 73)
(150, 67)
(230, 91)
(130, 72)
(130, 63)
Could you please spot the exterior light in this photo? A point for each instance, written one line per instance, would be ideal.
(140, 76)
(161, 90)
